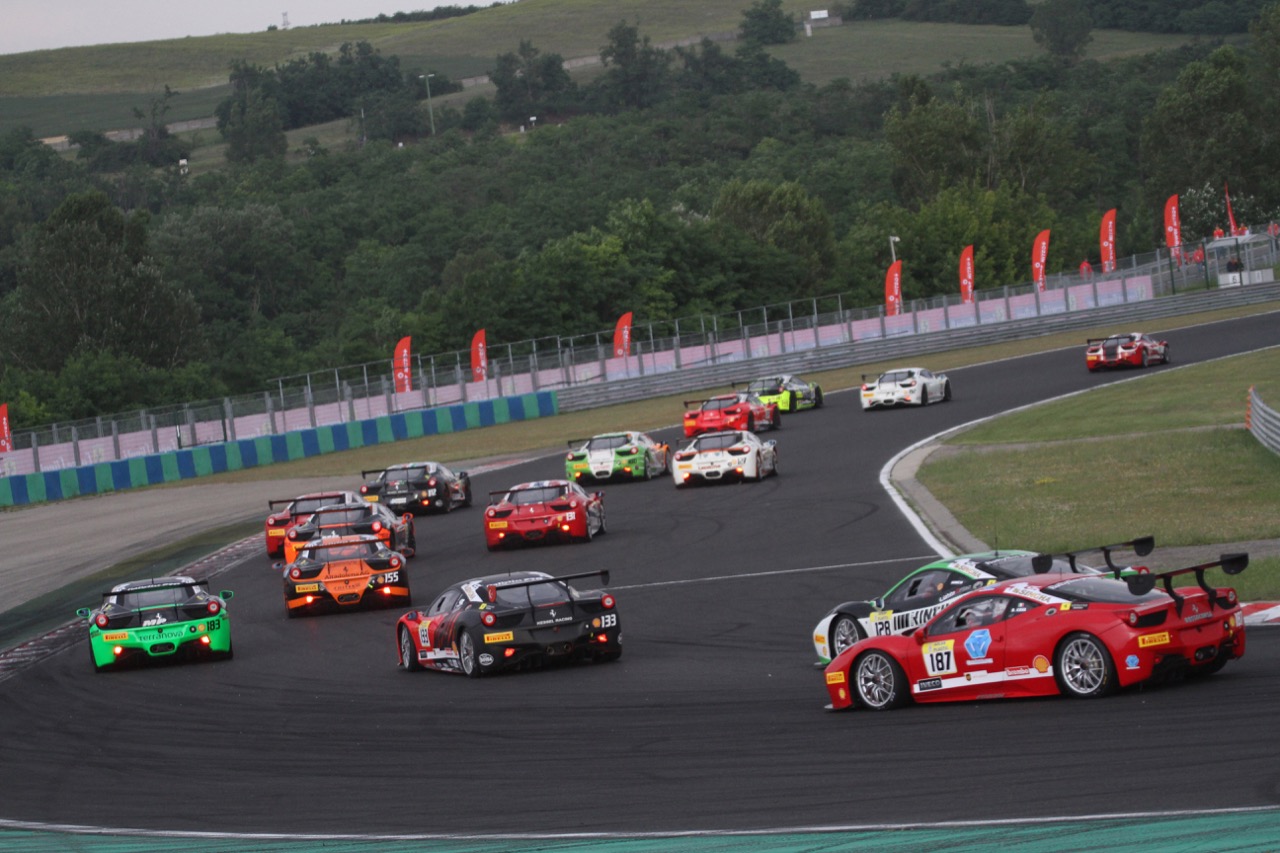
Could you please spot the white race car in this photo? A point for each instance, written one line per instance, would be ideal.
(906, 386)
(735, 455)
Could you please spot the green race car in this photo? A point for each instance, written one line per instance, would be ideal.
(790, 393)
(630, 455)
(158, 618)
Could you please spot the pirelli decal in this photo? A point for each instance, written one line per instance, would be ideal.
(113, 637)
(836, 677)
(1160, 639)
(306, 587)
(500, 637)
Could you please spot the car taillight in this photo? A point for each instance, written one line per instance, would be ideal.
(490, 513)
(272, 521)
(1231, 596)
(214, 607)
(293, 534)
(573, 504)
(488, 619)
(101, 620)
(606, 601)
(570, 456)
(364, 490)
(395, 562)
(1133, 617)
(631, 451)
(294, 573)
(377, 527)
(910, 383)
(738, 451)
(431, 483)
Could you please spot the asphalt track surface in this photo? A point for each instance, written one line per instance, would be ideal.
(712, 720)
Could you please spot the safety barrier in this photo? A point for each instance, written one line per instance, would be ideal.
(201, 461)
(1263, 422)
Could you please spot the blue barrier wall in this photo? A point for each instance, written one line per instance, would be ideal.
(269, 449)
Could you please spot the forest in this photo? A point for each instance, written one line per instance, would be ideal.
(695, 180)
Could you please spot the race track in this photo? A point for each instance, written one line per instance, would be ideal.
(712, 720)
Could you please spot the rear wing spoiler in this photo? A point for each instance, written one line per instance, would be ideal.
(575, 443)
(689, 404)
(271, 505)
(1092, 341)
(1142, 546)
(1231, 564)
(343, 508)
(491, 591)
(366, 474)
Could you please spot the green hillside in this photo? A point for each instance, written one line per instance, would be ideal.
(58, 91)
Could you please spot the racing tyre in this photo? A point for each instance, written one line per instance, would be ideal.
(924, 396)
(648, 466)
(1165, 359)
(776, 423)
(466, 495)
(468, 658)
(793, 401)
(1145, 358)
(604, 524)
(879, 682)
(228, 654)
(817, 398)
(408, 654)
(1083, 667)
(844, 632)
(751, 423)
(946, 391)
(93, 660)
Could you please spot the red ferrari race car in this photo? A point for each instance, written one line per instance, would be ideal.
(508, 621)
(290, 511)
(1079, 635)
(1132, 349)
(739, 411)
(548, 510)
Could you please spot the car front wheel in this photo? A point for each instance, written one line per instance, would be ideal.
(844, 633)
(880, 682)
(408, 653)
(1083, 667)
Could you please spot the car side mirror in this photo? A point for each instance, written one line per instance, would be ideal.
(878, 604)
(408, 516)
(226, 594)
(919, 636)
(771, 443)
(598, 495)
(278, 565)
(83, 612)
(462, 475)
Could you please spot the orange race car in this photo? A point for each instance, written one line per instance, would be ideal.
(345, 572)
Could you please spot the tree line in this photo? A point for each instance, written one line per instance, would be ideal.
(682, 182)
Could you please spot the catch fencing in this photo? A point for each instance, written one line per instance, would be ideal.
(671, 356)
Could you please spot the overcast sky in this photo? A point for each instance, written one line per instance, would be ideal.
(45, 24)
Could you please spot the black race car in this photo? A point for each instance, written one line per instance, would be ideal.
(417, 487)
(498, 622)
(395, 531)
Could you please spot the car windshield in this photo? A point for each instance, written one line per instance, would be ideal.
(1020, 566)
(1119, 340)
(607, 442)
(765, 386)
(417, 473)
(159, 597)
(306, 506)
(718, 404)
(338, 517)
(717, 442)
(1105, 590)
(343, 551)
(534, 495)
(536, 594)
(896, 376)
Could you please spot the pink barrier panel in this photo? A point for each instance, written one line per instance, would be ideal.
(1080, 296)
(1053, 302)
(1139, 287)
(993, 310)
(931, 320)
(962, 316)
(832, 334)
(1110, 293)
(896, 327)
(1022, 306)
(865, 330)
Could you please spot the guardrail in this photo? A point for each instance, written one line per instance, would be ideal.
(1263, 421)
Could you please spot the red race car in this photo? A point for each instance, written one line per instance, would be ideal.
(545, 510)
(1074, 634)
(1132, 349)
(288, 512)
(738, 411)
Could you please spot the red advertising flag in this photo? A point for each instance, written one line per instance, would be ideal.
(1172, 227)
(1039, 255)
(966, 275)
(1107, 240)
(6, 434)
(893, 290)
(479, 358)
(404, 376)
(1236, 230)
(622, 336)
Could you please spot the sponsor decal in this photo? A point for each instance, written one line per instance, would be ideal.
(608, 620)
(1041, 663)
(497, 525)
(306, 587)
(1153, 639)
(112, 637)
(928, 684)
(486, 659)
(939, 657)
(276, 531)
(500, 637)
(1131, 662)
(820, 639)
(835, 677)
(158, 619)
(1017, 671)
(977, 643)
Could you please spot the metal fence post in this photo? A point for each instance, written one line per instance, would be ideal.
(115, 438)
(35, 452)
(155, 434)
(231, 419)
(75, 445)
(271, 412)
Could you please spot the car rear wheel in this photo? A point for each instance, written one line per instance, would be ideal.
(1165, 358)
(844, 632)
(466, 495)
(1083, 667)
(776, 423)
(879, 681)
(946, 392)
(467, 657)
(793, 401)
(751, 422)
(924, 396)
(408, 652)
(817, 398)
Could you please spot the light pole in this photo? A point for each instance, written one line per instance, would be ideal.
(430, 109)
(533, 122)
(893, 253)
